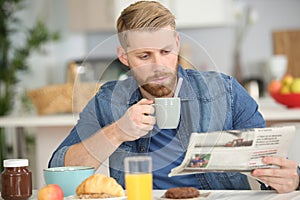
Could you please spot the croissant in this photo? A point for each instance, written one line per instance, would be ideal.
(100, 184)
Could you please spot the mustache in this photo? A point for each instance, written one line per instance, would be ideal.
(158, 75)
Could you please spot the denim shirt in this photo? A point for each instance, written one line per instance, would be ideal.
(210, 101)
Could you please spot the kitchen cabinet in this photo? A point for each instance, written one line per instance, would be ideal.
(287, 42)
(95, 15)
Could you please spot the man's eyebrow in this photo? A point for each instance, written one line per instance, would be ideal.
(139, 52)
(148, 49)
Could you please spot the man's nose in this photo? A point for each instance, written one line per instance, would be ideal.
(157, 60)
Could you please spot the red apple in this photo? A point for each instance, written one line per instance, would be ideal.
(274, 86)
(51, 192)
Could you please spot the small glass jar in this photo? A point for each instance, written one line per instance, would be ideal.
(16, 180)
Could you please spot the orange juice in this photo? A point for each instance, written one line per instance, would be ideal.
(138, 186)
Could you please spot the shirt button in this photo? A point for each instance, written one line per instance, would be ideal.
(142, 149)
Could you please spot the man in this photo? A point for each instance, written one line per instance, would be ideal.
(119, 121)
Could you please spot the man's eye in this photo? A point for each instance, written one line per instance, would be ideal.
(166, 51)
(143, 57)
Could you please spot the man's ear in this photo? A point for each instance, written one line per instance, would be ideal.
(122, 55)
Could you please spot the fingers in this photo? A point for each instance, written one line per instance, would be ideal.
(281, 162)
(282, 179)
(145, 127)
(137, 121)
(280, 184)
(144, 102)
(147, 119)
(143, 107)
(142, 114)
(286, 173)
(147, 109)
(281, 187)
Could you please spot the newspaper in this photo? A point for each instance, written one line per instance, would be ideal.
(234, 150)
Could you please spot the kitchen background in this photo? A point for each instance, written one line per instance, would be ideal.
(217, 36)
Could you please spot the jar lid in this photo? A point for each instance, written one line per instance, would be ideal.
(15, 163)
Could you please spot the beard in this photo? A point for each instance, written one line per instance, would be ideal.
(157, 90)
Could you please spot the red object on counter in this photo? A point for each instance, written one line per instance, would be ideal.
(290, 100)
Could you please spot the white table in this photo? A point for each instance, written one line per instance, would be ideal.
(273, 111)
(228, 195)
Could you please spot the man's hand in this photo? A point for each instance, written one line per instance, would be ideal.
(137, 121)
(285, 179)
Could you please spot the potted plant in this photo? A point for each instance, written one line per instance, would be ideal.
(13, 59)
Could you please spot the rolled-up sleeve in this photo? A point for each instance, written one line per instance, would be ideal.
(245, 109)
(86, 126)
(58, 159)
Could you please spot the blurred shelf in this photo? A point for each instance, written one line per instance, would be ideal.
(38, 121)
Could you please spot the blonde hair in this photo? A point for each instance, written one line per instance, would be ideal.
(144, 15)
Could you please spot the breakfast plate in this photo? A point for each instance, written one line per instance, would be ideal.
(111, 198)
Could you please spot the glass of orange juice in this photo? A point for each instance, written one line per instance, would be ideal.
(138, 177)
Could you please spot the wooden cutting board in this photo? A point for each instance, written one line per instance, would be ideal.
(287, 42)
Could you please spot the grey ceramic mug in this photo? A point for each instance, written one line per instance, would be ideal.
(167, 112)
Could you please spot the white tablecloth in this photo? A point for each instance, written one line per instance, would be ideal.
(229, 195)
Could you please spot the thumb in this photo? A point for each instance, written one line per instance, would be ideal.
(145, 102)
